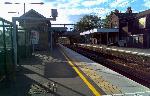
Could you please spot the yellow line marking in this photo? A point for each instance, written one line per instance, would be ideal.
(91, 87)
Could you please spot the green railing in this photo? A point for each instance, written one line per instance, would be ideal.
(24, 44)
(6, 49)
(7, 66)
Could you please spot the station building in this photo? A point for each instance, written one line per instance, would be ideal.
(125, 29)
(21, 37)
(133, 27)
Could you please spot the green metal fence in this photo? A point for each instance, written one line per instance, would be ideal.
(6, 49)
(24, 44)
(24, 50)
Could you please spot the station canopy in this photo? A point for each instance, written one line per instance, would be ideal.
(59, 29)
(71, 33)
(100, 30)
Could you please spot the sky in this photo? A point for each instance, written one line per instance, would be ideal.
(70, 11)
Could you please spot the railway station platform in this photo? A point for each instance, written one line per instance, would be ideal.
(47, 74)
(67, 73)
(111, 82)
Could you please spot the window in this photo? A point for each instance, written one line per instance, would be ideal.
(142, 22)
(115, 24)
(1, 23)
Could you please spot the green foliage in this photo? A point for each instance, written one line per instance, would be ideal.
(88, 22)
(106, 21)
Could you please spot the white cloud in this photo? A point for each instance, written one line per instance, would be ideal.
(5, 8)
(93, 2)
(77, 11)
(62, 17)
(69, 4)
(64, 14)
(71, 8)
(45, 9)
(20, 1)
(121, 3)
(89, 3)
(147, 3)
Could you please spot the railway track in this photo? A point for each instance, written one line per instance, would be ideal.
(124, 66)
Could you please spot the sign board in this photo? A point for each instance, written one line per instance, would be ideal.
(34, 37)
(54, 12)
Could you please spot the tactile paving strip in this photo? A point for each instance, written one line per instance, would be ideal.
(99, 80)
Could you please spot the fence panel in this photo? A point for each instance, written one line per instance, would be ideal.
(6, 49)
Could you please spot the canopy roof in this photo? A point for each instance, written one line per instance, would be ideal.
(59, 29)
(100, 30)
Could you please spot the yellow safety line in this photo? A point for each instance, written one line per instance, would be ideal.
(91, 87)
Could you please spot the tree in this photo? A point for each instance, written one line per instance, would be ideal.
(107, 20)
(88, 22)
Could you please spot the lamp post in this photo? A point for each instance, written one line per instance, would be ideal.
(24, 4)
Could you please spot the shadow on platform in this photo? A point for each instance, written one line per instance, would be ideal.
(38, 70)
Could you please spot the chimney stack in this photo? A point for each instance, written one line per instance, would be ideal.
(116, 11)
(129, 10)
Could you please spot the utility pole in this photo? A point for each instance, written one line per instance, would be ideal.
(24, 7)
